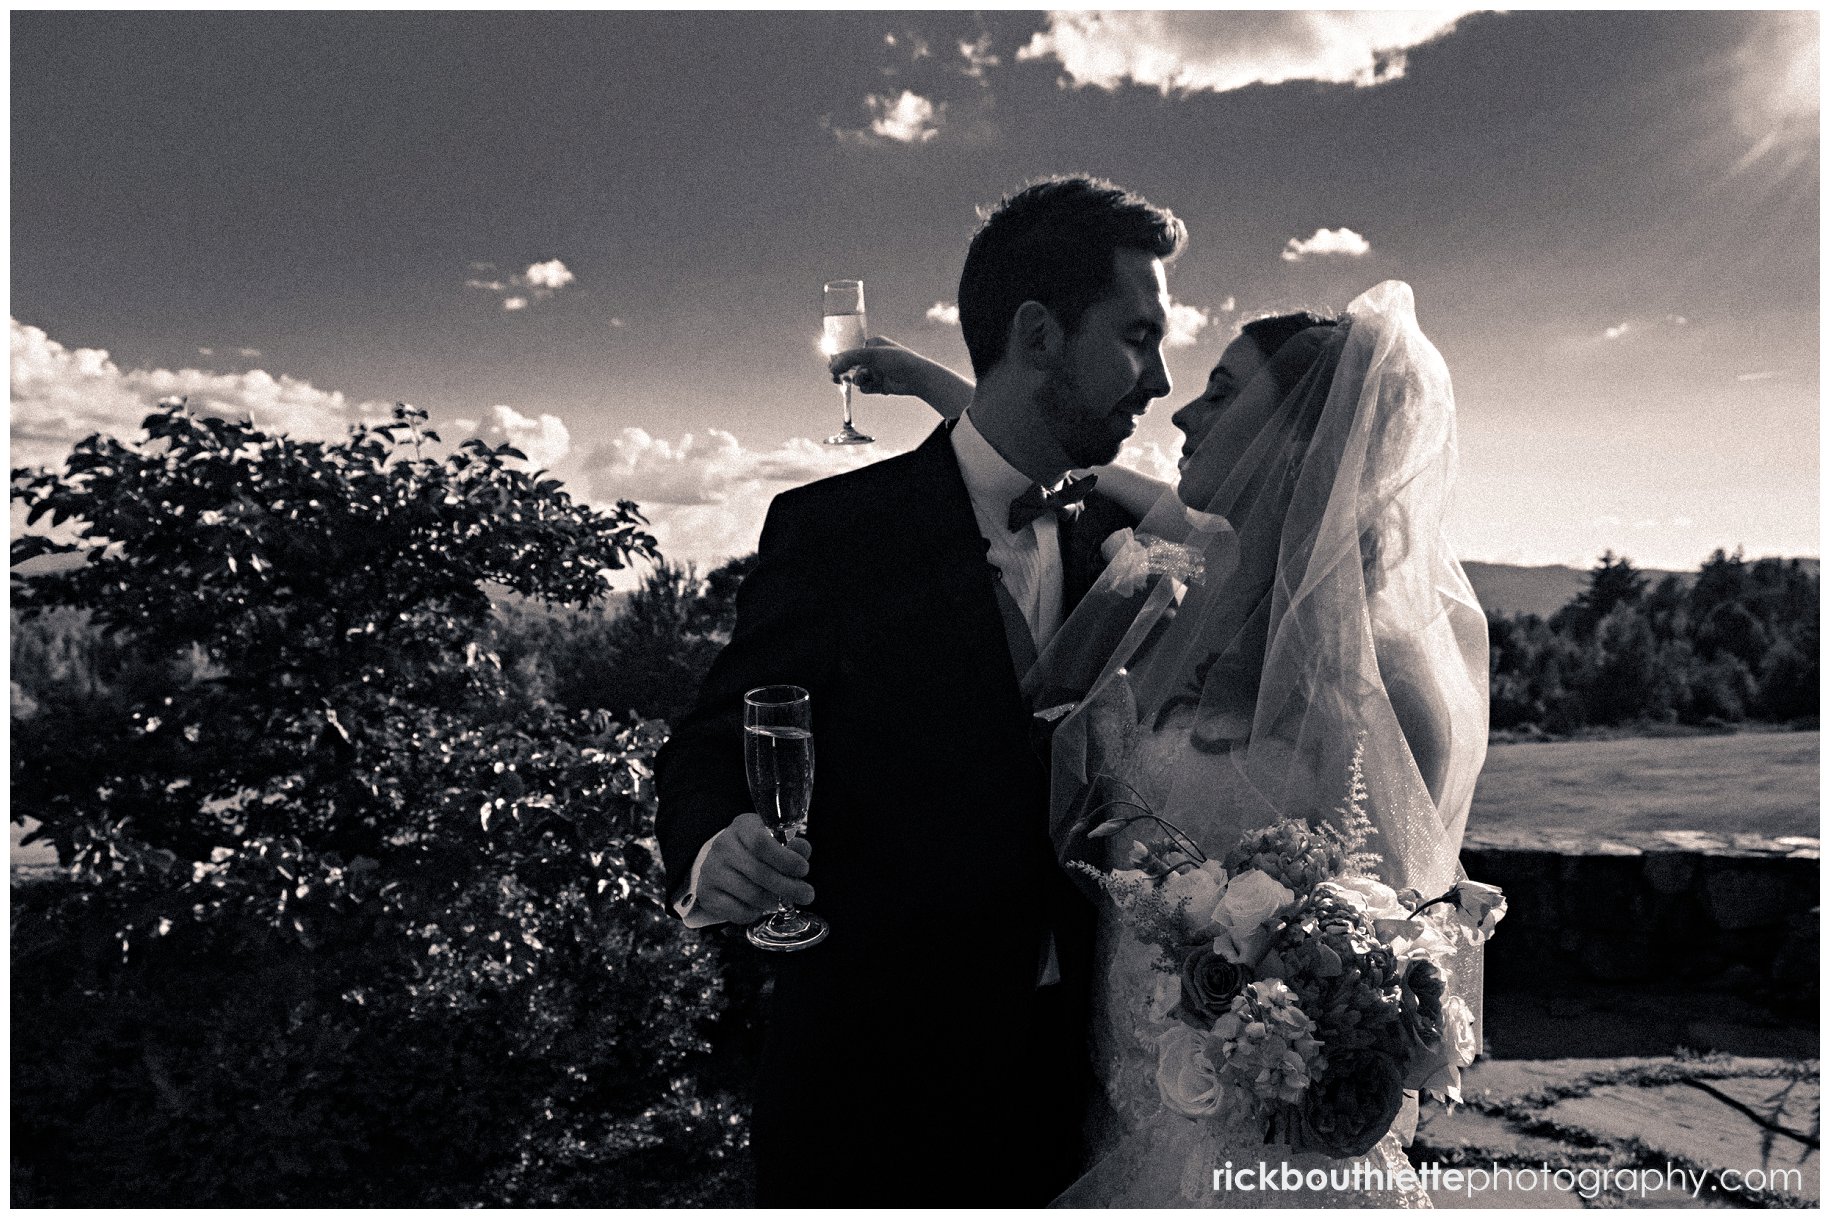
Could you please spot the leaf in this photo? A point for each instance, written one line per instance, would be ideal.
(32, 545)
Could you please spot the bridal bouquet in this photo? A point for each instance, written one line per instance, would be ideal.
(1300, 993)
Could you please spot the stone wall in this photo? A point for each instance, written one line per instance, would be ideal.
(1683, 909)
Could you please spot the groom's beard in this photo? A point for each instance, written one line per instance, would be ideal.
(1089, 436)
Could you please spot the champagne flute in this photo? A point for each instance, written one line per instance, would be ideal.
(778, 760)
(845, 329)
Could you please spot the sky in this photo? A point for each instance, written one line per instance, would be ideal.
(603, 234)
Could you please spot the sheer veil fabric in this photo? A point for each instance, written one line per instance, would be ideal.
(1302, 605)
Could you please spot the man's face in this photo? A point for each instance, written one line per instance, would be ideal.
(1112, 365)
(1239, 363)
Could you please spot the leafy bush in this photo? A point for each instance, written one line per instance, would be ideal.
(352, 918)
(1738, 642)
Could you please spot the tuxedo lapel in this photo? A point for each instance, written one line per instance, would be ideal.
(941, 512)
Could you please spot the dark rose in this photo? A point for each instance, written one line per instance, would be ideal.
(1351, 1106)
(1424, 984)
(1209, 982)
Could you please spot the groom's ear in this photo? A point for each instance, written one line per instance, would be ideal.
(1036, 338)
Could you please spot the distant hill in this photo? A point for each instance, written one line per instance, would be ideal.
(1504, 589)
(1500, 587)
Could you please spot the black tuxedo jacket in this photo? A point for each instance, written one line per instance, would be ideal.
(911, 1057)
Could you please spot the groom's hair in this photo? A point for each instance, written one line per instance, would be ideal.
(1052, 242)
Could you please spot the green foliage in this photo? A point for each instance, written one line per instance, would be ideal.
(1738, 642)
(1612, 582)
(648, 659)
(355, 919)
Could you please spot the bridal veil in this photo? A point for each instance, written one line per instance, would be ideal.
(1303, 606)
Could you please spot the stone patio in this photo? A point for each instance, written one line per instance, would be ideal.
(1743, 1132)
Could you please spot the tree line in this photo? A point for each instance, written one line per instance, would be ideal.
(1737, 642)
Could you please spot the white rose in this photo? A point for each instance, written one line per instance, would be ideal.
(1246, 914)
(1381, 900)
(1438, 1070)
(1484, 906)
(1184, 1075)
(1420, 938)
(1201, 886)
(1458, 1029)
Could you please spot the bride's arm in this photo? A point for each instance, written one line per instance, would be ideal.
(884, 366)
(1136, 493)
(1423, 714)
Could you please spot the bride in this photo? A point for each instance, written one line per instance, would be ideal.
(1290, 613)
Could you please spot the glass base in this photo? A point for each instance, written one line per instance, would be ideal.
(788, 931)
(850, 435)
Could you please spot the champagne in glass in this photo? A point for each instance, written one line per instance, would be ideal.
(845, 329)
(778, 762)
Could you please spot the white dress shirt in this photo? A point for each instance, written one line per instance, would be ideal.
(1030, 558)
(1029, 561)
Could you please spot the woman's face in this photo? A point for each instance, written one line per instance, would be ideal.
(1239, 363)
(1242, 404)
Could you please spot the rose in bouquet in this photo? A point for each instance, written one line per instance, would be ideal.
(1307, 994)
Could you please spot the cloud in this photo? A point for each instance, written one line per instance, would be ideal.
(62, 394)
(1327, 241)
(945, 314)
(251, 353)
(916, 46)
(978, 56)
(540, 281)
(1677, 319)
(1229, 304)
(1191, 52)
(1614, 332)
(1186, 322)
(551, 275)
(709, 467)
(616, 323)
(1755, 376)
(545, 440)
(706, 494)
(908, 118)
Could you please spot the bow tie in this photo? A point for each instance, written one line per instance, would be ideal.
(1035, 501)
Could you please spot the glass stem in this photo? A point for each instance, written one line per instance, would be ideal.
(845, 396)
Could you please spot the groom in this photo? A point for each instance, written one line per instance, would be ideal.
(931, 1051)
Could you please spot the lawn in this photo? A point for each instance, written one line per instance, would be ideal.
(1745, 783)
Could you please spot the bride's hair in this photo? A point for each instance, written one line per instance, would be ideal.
(1271, 332)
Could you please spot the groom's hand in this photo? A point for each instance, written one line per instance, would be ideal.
(746, 871)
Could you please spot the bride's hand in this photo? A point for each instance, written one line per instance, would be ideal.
(884, 366)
